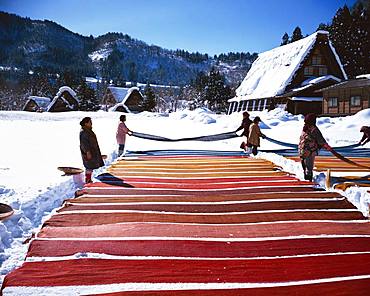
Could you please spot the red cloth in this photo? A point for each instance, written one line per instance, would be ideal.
(90, 271)
(210, 249)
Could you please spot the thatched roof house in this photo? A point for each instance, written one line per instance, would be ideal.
(64, 100)
(123, 99)
(290, 73)
(36, 104)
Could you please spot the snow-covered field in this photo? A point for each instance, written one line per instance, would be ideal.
(33, 145)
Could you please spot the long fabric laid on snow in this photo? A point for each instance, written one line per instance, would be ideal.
(198, 225)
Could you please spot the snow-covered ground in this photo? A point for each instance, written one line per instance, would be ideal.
(33, 145)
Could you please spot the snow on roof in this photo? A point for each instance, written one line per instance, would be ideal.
(274, 69)
(40, 101)
(91, 79)
(68, 89)
(307, 99)
(316, 80)
(119, 93)
(362, 76)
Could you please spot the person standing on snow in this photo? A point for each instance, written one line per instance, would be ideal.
(310, 142)
(121, 133)
(366, 137)
(245, 127)
(254, 135)
(90, 151)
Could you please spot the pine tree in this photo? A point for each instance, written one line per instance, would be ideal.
(297, 34)
(149, 98)
(323, 27)
(87, 98)
(340, 36)
(284, 39)
(216, 93)
(360, 43)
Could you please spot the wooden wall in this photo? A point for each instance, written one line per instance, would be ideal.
(344, 101)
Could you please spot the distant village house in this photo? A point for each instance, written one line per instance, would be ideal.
(36, 104)
(123, 99)
(290, 76)
(65, 100)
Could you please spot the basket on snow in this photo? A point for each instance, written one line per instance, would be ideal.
(5, 211)
(70, 170)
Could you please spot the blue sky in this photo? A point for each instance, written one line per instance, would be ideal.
(207, 26)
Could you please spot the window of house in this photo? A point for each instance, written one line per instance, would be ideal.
(316, 60)
(332, 102)
(308, 71)
(356, 101)
(323, 71)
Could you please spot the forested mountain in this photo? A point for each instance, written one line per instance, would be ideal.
(44, 46)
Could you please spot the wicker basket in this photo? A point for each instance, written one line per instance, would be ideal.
(70, 170)
(5, 211)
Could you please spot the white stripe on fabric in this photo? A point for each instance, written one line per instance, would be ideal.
(206, 202)
(111, 288)
(78, 256)
(211, 239)
(202, 214)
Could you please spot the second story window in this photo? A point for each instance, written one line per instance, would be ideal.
(308, 71)
(316, 60)
(323, 71)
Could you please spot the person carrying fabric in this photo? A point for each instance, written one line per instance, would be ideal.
(90, 151)
(255, 135)
(246, 122)
(310, 142)
(121, 133)
(366, 137)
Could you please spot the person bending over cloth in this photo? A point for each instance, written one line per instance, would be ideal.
(366, 137)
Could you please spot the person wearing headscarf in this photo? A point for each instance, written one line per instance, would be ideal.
(89, 147)
(255, 135)
(122, 131)
(246, 122)
(310, 142)
(366, 137)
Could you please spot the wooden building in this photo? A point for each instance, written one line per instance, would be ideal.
(347, 97)
(36, 104)
(65, 100)
(123, 99)
(290, 76)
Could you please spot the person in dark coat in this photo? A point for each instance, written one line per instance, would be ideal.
(245, 127)
(90, 151)
(310, 142)
(366, 137)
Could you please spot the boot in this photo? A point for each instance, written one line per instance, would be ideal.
(88, 177)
